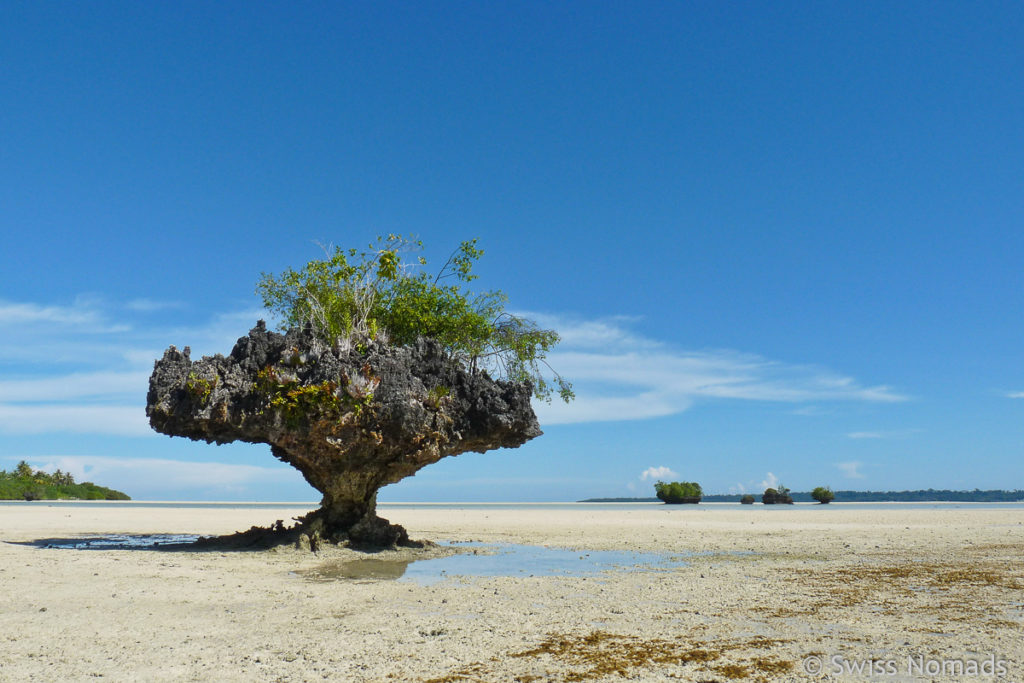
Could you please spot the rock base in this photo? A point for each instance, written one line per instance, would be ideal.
(310, 533)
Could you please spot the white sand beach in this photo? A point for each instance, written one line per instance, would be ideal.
(919, 594)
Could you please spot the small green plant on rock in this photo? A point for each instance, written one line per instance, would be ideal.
(297, 402)
(200, 388)
(436, 396)
(747, 499)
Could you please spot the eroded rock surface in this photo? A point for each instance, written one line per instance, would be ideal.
(351, 421)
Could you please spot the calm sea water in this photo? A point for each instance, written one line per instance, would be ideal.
(384, 507)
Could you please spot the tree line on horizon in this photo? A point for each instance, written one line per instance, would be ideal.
(690, 492)
(22, 483)
(910, 496)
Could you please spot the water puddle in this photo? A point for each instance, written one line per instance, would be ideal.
(360, 570)
(119, 541)
(494, 560)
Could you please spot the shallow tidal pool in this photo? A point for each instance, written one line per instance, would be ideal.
(119, 542)
(469, 560)
(481, 560)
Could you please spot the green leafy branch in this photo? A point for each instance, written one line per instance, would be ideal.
(356, 296)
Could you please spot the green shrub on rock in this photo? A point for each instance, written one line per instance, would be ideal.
(778, 496)
(679, 492)
(823, 495)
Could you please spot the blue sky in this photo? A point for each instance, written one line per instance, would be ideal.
(782, 241)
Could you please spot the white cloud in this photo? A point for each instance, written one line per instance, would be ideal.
(865, 435)
(851, 469)
(78, 419)
(593, 408)
(75, 369)
(770, 481)
(51, 335)
(81, 314)
(1015, 394)
(656, 473)
(603, 333)
(216, 336)
(619, 375)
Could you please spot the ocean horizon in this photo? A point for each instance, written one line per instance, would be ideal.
(477, 505)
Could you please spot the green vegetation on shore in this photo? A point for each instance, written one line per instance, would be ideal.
(23, 484)
(917, 496)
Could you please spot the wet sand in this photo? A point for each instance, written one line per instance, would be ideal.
(766, 594)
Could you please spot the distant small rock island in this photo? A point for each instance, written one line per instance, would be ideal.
(918, 496)
(22, 483)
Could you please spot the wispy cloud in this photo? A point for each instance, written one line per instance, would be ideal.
(592, 407)
(770, 481)
(811, 411)
(80, 333)
(75, 385)
(217, 335)
(149, 305)
(1015, 394)
(851, 469)
(656, 473)
(889, 434)
(79, 314)
(118, 420)
(109, 359)
(620, 375)
(603, 333)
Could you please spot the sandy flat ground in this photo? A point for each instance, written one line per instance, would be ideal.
(770, 593)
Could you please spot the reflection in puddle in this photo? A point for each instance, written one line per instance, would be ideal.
(494, 560)
(371, 569)
(119, 541)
